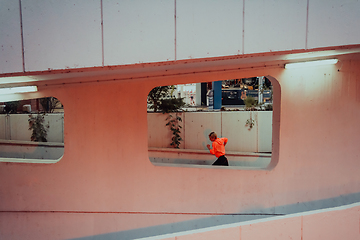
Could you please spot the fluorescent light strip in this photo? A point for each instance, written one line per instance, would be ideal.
(310, 63)
(13, 90)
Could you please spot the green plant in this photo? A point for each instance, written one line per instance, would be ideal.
(39, 130)
(161, 99)
(49, 104)
(11, 107)
(268, 107)
(250, 123)
(174, 125)
(250, 103)
(171, 104)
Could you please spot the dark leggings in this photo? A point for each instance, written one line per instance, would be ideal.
(222, 161)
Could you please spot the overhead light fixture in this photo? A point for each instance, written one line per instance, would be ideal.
(310, 63)
(13, 90)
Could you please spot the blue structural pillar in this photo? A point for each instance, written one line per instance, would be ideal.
(217, 94)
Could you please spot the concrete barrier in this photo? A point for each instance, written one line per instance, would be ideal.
(30, 152)
(202, 158)
(16, 127)
(196, 127)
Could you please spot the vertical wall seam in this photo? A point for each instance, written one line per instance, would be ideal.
(243, 28)
(221, 123)
(102, 33)
(257, 131)
(302, 227)
(307, 25)
(175, 27)
(184, 119)
(7, 127)
(22, 37)
(239, 232)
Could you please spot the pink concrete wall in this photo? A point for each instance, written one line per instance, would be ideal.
(102, 178)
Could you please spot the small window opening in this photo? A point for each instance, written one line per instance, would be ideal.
(32, 130)
(181, 117)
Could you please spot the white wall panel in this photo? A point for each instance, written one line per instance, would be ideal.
(10, 37)
(265, 129)
(241, 139)
(274, 25)
(62, 34)
(199, 126)
(159, 134)
(19, 127)
(333, 23)
(138, 31)
(3, 126)
(208, 28)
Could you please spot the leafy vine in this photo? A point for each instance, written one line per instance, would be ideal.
(174, 125)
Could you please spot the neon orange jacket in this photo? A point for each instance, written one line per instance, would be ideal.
(218, 147)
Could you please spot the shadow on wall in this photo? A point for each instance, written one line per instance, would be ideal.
(212, 221)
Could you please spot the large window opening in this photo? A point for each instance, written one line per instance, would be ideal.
(181, 117)
(32, 131)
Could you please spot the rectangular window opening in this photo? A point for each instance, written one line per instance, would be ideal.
(32, 130)
(181, 117)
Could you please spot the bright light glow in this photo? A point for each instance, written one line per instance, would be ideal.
(13, 90)
(310, 63)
